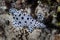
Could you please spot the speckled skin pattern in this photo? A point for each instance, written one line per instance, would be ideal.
(22, 19)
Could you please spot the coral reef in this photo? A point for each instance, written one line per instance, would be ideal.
(44, 11)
